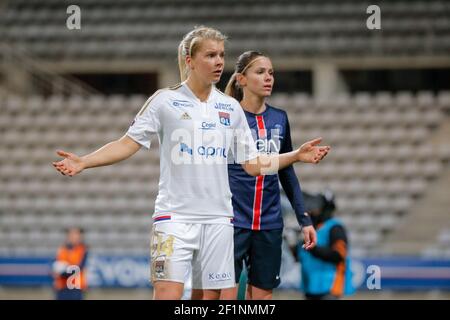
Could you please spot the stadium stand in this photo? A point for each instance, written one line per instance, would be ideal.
(135, 29)
(380, 166)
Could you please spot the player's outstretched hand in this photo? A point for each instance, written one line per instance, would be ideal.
(70, 165)
(310, 152)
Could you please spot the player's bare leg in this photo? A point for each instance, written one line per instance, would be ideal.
(229, 293)
(199, 294)
(167, 290)
(255, 293)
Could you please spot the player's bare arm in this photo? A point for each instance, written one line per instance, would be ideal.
(109, 154)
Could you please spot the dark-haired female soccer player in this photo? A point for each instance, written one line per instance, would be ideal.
(258, 222)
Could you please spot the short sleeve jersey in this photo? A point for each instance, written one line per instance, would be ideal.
(197, 141)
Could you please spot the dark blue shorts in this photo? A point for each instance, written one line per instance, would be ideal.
(261, 251)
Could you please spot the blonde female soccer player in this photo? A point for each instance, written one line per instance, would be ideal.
(197, 126)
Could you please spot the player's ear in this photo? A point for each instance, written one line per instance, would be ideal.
(241, 79)
(189, 63)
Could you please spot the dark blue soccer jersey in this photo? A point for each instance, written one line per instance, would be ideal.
(256, 200)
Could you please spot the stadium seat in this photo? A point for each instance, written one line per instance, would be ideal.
(379, 164)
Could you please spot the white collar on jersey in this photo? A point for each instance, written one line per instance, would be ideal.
(192, 94)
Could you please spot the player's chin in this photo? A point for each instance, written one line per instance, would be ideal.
(215, 79)
(217, 74)
(265, 93)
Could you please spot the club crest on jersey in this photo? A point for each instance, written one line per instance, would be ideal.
(277, 133)
(224, 118)
(159, 269)
(185, 116)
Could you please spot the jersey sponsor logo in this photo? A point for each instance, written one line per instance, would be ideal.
(219, 276)
(208, 125)
(223, 106)
(268, 146)
(182, 103)
(224, 118)
(208, 146)
(212, 152)
(262, 142)
(185, 116)
(206, 152)
(184, 148)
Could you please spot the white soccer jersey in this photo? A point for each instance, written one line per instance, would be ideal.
(195, 143)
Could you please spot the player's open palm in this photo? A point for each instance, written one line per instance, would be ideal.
(70, 165)
(310, 152)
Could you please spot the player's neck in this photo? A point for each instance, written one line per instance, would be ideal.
(199, 88)
(253, 104)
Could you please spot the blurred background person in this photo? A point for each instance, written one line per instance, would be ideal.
(69, 269)
(325, 269)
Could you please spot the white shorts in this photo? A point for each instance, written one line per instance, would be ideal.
(207, 248)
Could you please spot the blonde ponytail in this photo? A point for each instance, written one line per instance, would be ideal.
(181, 63)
